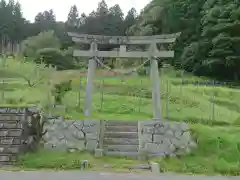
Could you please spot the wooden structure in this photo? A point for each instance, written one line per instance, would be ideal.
(152, 54)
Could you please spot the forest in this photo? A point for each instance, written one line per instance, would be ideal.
(209, 44)
(210, 41)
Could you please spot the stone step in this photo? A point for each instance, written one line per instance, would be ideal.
(121, 123)
(7, 158)
(10, 125)
(121, 148)
(131, 135)
(121, 128)
(13, 149)
(120, 141)
(6, 165)
(10, 140)
(121, 154)
(11, 117)
(10, 132)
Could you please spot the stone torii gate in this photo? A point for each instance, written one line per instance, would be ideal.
(152, 54)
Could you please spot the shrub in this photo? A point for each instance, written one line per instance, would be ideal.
(142, 72)
(53, 56)
(31, 45)
(60, 90)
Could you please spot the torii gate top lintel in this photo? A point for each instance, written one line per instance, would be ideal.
(123, 40)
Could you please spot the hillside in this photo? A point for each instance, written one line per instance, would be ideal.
(129, 98)
(188, 102)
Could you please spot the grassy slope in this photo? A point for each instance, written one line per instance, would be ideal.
(218, 135)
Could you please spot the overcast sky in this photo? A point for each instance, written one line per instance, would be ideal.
(61, 7)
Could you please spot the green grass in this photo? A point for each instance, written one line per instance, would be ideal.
(218, 153)
(71, 161)
(216, 125)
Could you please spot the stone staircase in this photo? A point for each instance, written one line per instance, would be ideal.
(120, 138)
(10, 138)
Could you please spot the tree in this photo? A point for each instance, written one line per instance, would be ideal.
(31, 45)
(45, 21)
(82, 19)
(130, 19)
(73, 17)
(19, 23)
(115, 20)
(32, 73)
(220, 24)
(116, 11)
(12, 28)
(209, 37)
(102, 9)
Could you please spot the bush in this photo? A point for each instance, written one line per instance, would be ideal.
(142, 72)
(31, 45)
(53, 56)
(60, 90)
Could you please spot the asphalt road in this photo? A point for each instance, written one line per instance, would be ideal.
(78, 175)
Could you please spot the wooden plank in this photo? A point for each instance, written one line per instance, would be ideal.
(123, 41)
(121, 148)
(131, 54)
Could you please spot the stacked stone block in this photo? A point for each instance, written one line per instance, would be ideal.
(11, 134)
(71, 135)
(162, 138)
(119, 138)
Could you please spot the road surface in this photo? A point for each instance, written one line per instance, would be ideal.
(78, 175)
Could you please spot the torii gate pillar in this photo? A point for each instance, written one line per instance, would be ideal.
(90, 78)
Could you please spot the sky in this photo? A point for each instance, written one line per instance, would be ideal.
(30, 8)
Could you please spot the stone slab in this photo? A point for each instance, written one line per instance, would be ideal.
(13, 110)
(123, 148)
(121, 135)
(121, 128)
(120, 141)
(98, 152)
(10, 125)
(155, 167)
(121, 123)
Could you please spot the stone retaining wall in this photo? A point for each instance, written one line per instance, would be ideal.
(71, 135)
(14, 133)
(161, 138)
(156, 138)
